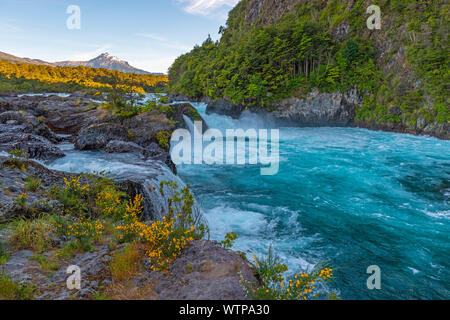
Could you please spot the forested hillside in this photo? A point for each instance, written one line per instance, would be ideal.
(22, 77)
(272, 50)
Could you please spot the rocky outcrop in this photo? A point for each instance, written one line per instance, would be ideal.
(117, 146)
(20, 130)
(204, 271)
(62, 115)
(12, 184)
(97, 136)
(319, 109)
(22, 268)
(267, 11)
(224, 107)
(434, 129)
(30, 123)
(36, 147)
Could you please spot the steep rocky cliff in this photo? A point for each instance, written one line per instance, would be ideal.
(274, 53)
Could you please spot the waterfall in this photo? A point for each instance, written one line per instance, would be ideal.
(160, 202)
(190, 125)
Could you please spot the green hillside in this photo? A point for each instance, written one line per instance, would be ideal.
(274, 50)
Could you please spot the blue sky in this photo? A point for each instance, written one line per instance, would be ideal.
(149, 34)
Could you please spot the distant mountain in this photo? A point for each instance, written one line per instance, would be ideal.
(14, 59)
(105, 60)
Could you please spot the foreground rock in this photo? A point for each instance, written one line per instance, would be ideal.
(36, 147)
(12, 184)
(204, 271)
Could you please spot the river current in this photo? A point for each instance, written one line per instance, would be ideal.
(348, 197)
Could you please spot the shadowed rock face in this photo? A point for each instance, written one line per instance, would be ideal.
(36, 147)
(225, 108)
(97, 136)
(318, 109)
(30, 123)
(326, 109)
(23, 131)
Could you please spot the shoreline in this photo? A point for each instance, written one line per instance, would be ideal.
(223, 107)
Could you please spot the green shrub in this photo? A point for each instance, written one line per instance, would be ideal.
(33, 235)
(125, 265)
(32, 184)
(10, 290)
(229, 239)
(4, 256)
(275, 287)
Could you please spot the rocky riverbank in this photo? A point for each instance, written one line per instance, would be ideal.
(324, 110)
(32, 131)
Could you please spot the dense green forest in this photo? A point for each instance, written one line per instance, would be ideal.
(24, 77)
(405, 64)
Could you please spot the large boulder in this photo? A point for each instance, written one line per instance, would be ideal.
(30, 123)
(117, 146)
(224, 107)
(204, 271)
(36, 147)
(97, 136)
(12, 184)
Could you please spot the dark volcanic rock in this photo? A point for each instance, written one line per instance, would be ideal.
(325, 109)
(225, 108)
(52, 286)
(31, 124)
(35, 147)
(204, 271)
(97, 136)
(12, 184)
(117, 146)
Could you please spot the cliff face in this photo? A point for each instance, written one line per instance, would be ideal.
(268, 11)
(276, 52)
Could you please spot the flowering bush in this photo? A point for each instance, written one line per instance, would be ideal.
(86, 231)
(22, 200)
(109, 203)
(275, 287)
(161, 240)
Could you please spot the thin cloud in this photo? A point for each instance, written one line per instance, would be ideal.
(206, 7)
(6, 26)
(151, 36)
(164, 41)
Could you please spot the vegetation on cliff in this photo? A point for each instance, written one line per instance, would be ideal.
(401, 71)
